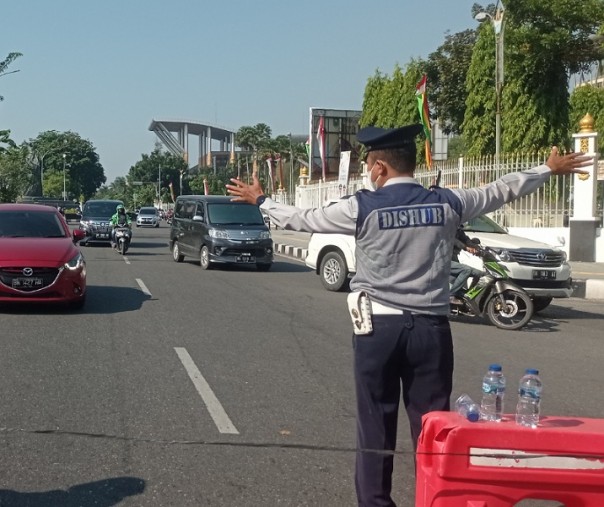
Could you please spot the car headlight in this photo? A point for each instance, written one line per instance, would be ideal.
(265, 235)
(219, 234)
(75, 263)
(84, 224)
(504, 255)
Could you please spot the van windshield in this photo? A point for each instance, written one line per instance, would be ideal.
(234, 214)
(100, 209)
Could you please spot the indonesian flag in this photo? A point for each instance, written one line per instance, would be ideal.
(424, 116)
(321, 140)
(206, 187)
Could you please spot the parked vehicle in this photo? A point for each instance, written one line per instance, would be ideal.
(96, 216)
(123, 237)
(39, 259)
(540, 269)
(494, 296)
(148, 216)
(216, 230)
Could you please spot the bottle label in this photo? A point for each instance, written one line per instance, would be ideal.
(529, 393)
(489, 388)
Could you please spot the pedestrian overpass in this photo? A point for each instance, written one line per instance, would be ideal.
(216, 145)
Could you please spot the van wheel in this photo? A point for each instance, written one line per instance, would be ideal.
(334, 272)
(176, 255)
(204, 257)
(541, 303)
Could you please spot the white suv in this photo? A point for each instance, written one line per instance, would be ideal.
(540, 268)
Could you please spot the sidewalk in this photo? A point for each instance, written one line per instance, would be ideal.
(588, 277)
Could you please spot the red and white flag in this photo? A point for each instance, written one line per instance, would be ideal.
(271, 176)
(321, 140)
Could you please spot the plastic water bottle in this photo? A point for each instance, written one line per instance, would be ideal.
(465, 406)
(493, 391)
(529, 399)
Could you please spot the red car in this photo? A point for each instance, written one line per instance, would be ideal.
(39, 258)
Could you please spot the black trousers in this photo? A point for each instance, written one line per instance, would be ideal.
(415, 351)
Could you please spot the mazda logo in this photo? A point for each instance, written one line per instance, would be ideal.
(28, 271)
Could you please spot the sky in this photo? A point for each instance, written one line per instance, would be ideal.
(105, 69)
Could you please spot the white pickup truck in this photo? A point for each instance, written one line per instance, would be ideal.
(542, 270)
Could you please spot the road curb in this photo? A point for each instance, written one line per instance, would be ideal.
(291, 251)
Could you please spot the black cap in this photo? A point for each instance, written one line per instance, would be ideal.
(375, 138)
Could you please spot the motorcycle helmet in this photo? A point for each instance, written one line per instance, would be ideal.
(120, 209)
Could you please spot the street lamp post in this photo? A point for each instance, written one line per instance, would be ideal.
(291, 169)
(497, 21)
(64, 180)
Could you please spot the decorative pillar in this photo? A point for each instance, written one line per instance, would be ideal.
(232, 146)
(583, 223)
(303, 175)
(209, 147)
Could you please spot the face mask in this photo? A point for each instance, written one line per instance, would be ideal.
(370, 183)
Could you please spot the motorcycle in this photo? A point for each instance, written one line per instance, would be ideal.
(123, 236)
(494, 296)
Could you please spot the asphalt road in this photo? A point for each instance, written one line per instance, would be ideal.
(229, 387)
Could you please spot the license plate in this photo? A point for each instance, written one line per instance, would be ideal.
(102, 236)
(543, 274)
(27, 283)
(246, 257)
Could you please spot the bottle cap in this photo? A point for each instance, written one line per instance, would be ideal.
(473, 416)
(495, 367)
(531, 371)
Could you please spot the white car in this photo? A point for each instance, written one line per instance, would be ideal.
(148, 216)
(542, 270)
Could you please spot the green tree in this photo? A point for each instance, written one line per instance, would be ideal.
(4, 64)
(545, 42)
(68, 159)
(447, 70)
(150, 168)
(390, 102)
(255, 139)
(587, 99)
(15, 173)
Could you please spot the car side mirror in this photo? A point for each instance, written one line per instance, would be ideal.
(198, 218)
(78, 235)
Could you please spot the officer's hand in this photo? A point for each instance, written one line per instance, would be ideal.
(244, 192)
(569, 163)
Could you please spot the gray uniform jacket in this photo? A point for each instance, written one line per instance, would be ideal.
(405, 233)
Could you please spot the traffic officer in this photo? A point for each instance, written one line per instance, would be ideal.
(400, 292)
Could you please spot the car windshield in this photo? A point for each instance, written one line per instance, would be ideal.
(483, 224)
(147, 211)
(234, 214)
(30, 224)
(100, 209)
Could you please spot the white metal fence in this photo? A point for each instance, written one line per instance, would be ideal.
(549, 206)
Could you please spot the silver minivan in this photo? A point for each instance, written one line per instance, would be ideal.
(215, 230)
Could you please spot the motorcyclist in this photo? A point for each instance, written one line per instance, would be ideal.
(461, 272)
(118, 219)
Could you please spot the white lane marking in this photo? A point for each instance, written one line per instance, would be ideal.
(143, 287)
(218, 414)
(126, 260)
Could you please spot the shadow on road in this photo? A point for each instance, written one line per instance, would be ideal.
(277, 267)
(103, 493)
